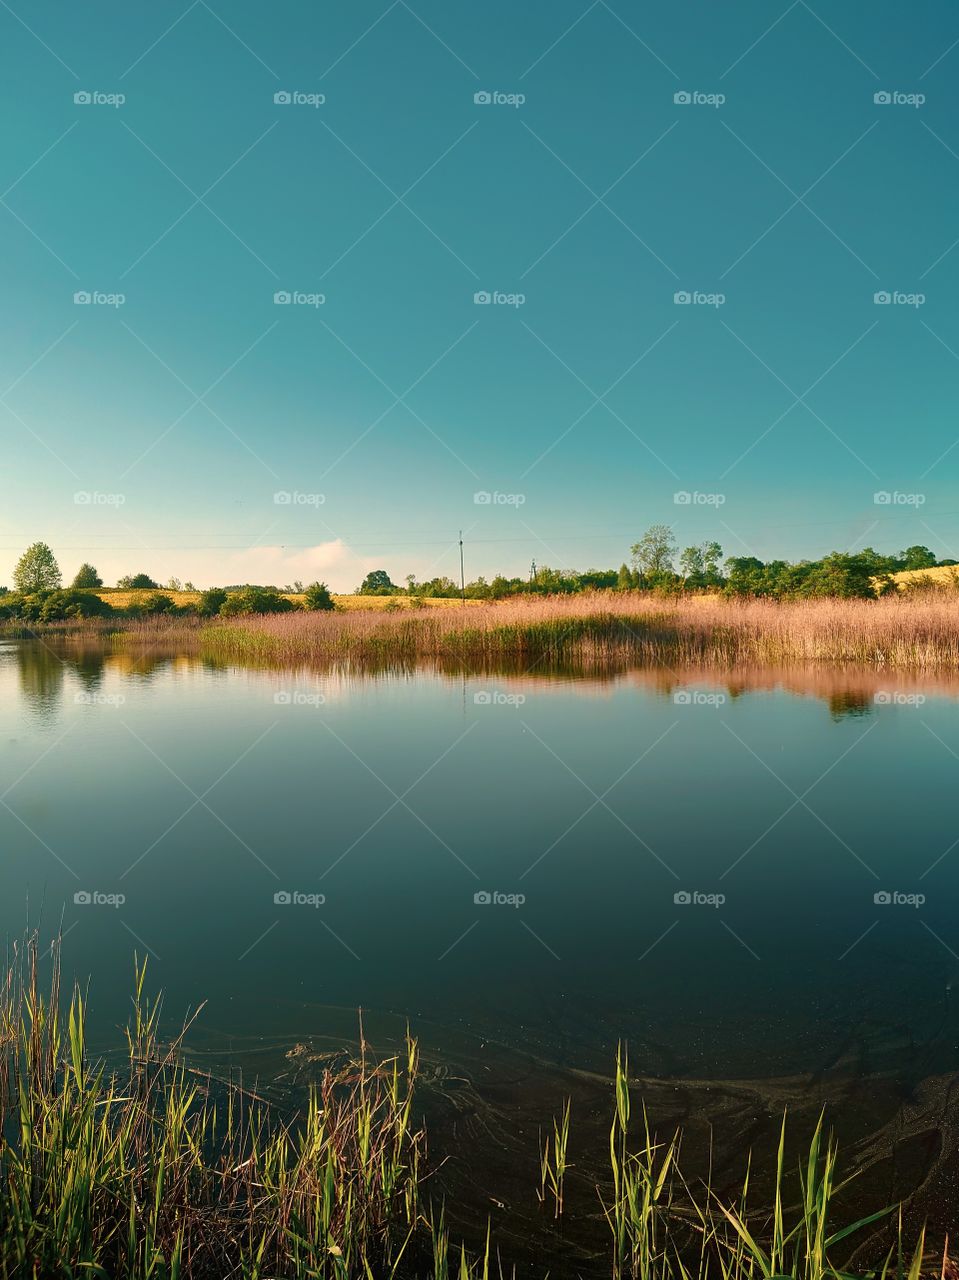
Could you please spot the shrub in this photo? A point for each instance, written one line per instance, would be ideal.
(211, 602)
(318, 597)
(138, 582)
(155, 602)
(255, 600)
(60, 605)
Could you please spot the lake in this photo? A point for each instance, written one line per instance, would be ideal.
(751, 879)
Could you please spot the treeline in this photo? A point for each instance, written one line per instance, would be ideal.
(656, 565)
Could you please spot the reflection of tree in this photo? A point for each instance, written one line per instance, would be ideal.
(41, 678)
(849, 702)
(88, 666)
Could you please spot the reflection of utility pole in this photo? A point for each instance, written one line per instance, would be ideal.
(462, 573)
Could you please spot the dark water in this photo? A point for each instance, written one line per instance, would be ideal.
(782, 804)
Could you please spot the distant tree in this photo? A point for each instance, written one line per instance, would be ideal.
(188, 586)
(318, 597)
(138, 582)
(37, 570)
(918, 557)
(653, 553)
(625, 578)
(840, 574)
(155, 602)
(174, 585)
(211, 602)
(298, 587)
(691, 566)
(86, 576)
(376, 583)
(745, 576)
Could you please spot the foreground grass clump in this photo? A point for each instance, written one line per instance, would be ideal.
(159, 1172)
(153, 1172)
(603, 628)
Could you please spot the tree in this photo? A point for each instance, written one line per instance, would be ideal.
(318, 597)
(138, 582)
(376, 583)
(917, 558)
(174, 585)
(653, 553)
(691, 566)
(37, 570)
(86, 576)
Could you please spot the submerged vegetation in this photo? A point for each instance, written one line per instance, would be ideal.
(156, 1171)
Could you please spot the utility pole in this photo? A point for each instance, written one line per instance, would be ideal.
(462, 573)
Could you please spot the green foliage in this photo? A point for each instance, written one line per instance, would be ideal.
(917, 557)
(60, 605)
(318, 597)
(156, 602)
(653, 553)
(138, 582)
(37, 570)
(210, 602)
(376, 583)
(255, 600)
(87, 576)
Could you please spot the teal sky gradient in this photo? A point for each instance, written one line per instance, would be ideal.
(599, 198)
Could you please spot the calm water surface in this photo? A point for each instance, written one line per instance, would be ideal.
(590, 811)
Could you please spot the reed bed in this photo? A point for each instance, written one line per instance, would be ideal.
(154, 1171)
(608, 628)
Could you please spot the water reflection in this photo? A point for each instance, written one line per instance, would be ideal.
(846, 692)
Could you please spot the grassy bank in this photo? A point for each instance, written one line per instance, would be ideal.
(610, 628)
(155, 1171)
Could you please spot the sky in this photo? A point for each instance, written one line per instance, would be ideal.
(294, 291)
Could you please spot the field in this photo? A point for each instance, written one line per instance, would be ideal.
(121, 599)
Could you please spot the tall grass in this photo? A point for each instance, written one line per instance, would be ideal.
(154, 1171)
(609, 627)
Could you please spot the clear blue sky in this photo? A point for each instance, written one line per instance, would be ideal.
(398, 198)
